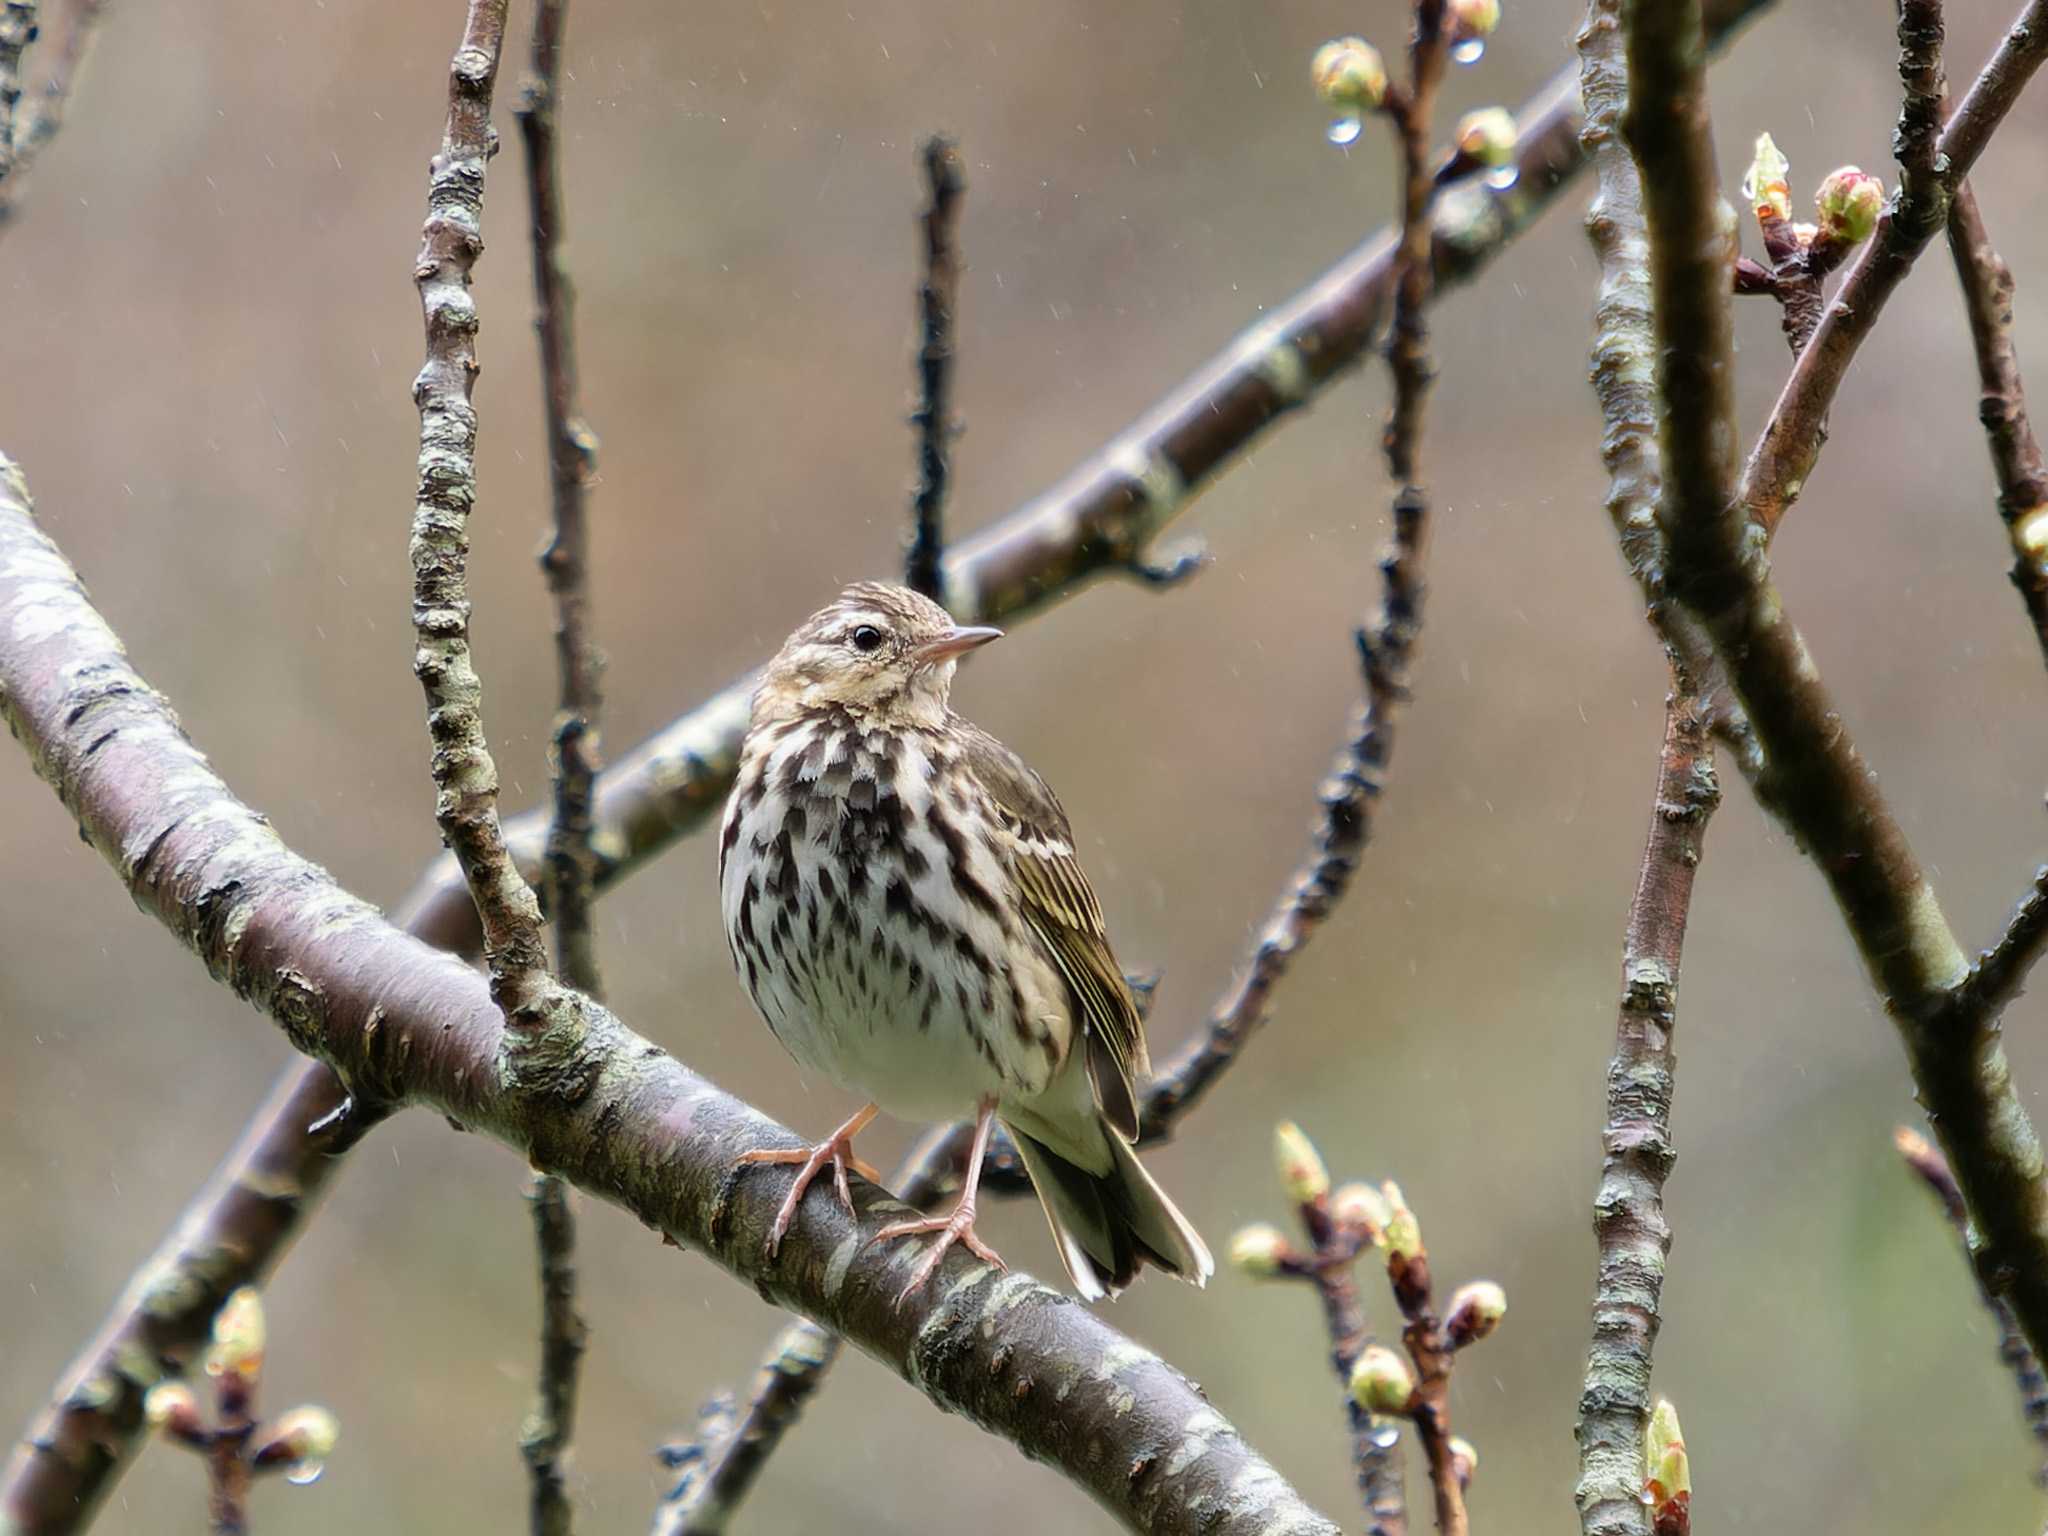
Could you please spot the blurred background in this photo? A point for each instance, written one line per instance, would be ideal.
(211, 336)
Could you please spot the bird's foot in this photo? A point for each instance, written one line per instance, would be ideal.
(835, 1151)
(957, 1226)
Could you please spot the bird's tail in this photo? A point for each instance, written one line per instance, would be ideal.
(1108, 1224)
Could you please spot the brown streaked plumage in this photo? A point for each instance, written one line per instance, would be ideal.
(903, 902)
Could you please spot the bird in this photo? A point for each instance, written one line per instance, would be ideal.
(903, 903)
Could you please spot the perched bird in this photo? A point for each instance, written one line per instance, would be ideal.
(902, 900)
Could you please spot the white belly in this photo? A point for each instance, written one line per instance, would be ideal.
(866, 920)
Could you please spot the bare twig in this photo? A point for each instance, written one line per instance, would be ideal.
(1628, 1210)
(2002, 405)
(235, 1232)
(569, 867)
(1926, 1161)
(937, 295)
(36, 127)
(632, 1125)
(1815, 781)
(1785, 454)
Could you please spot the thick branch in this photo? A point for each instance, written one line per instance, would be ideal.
(37, 126)
(1815, 781)
(937, 296)
(1628, 1211)
(17, 31)
(620, 1118)
(1786, 452)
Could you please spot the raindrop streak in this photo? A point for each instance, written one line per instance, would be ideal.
(304, 1472)
(1343, 130)
(1503, 178)
(1470, 51)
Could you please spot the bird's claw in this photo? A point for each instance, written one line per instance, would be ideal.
(955, 1227)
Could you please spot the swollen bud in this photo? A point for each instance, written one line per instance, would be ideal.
(1487, 137)
(1362, 1209)
(1381, 1382)
(1301, 1166)
(1767, 186)
(1258, 1250)
(238, 1337)
(304, 1437)
(1667, 1481)
(1850, 204)
(1464, 1461)
(1349, 73)
(1476, 1310)
(170, 1409)
(1468, 20)
(1402, 1235)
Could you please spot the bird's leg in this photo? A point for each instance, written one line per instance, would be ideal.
(957, 1225)
(836, 1149)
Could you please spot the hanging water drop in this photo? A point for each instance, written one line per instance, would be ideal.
(1468, 50)
(1343, 131)
(1503, 178)
(304, 1472)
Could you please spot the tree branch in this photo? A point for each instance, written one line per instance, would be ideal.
(2002, 405)
(35, 128)
(1785, 454)
(937, 297)
(618, 1117)
(1628, 1211)
(17, 31)
(569, 863)
(1815, 781)
(668, 785)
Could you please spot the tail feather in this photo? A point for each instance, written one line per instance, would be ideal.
(1108, 1225)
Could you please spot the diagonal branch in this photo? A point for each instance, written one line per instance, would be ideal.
(1785, 454)
(668, 785)
(1816, 782)
(620, 1118)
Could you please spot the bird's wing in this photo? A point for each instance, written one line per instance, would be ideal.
(1061, 909)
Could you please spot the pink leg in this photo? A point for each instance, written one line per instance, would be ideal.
(836, 1149)
(957, 1225)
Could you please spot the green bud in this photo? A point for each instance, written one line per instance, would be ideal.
(1301, 1166)
(1349, 73)
(238, 1337)
(1767, 185)
(1469, 19)
(1258, 1250)
(1464, 1460)
(1362, 1209)
(305, 1435)
(1476, 1310)
(1381, 1381)
(169, 1406)
(1850, 204)
(1402, 1235)
(1667, 1481)
(1487, 136)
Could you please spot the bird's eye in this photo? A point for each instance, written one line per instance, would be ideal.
(866, 638)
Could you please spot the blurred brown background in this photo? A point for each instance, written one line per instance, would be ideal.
(211, 333)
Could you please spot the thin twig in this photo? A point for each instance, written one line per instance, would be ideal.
(568, 875)
(636, 1127)
(2002, 405)
(668, 785)
(1815, 781)
(1925, 1160)
(937, 295)
(1628, 1210)
(35, 128)
(1785, 453)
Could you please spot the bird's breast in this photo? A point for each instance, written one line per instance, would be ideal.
(874, 922)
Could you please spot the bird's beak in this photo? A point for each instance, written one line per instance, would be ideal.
(957, 641)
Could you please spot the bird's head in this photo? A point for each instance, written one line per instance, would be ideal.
(881, 652)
